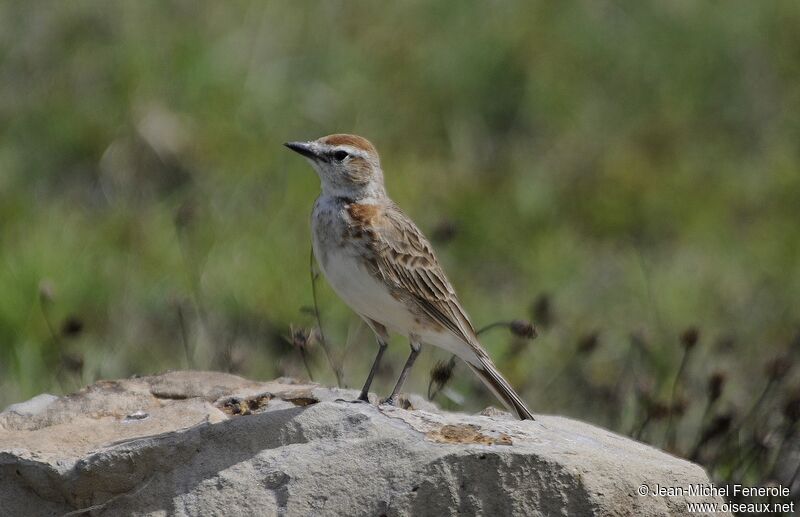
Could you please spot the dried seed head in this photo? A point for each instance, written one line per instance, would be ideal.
(444, 231)
(679, 406)
(639, 340)
(47, 292)
(542, 310)
(184, 215)
(300, 338)
(657, 410)
(689, 338)
(314, 337)
(523, 329)
(588, 343)
(715, 384)
(72, 327)
(794, 343)
(777, 368)
(791, 410)
(72, 362)
(442, 372)
(717, 427)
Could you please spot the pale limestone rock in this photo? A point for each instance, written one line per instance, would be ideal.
(205, 443)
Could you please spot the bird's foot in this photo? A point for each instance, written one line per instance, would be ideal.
(399, 401)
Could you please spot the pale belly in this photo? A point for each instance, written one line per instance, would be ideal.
(365, 294)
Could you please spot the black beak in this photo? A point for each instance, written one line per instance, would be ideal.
(303, 148)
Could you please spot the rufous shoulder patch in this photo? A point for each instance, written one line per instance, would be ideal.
(363, 214)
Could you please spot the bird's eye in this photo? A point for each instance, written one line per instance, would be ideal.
(339, 156)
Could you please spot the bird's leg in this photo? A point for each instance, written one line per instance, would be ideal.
(381, 349)
(404, 374)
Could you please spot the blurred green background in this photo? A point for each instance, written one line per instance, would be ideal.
(615, 171)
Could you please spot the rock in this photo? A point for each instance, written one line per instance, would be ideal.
(205, 443)
(33, 406)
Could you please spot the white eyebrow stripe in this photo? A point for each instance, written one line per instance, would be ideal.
(354, 151)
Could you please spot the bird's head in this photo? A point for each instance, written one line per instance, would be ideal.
(347, 165)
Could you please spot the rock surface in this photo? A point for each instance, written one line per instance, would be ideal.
(204, 443)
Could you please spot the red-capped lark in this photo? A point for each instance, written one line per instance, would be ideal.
(383, 267)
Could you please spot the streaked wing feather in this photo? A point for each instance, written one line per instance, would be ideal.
(406, 261)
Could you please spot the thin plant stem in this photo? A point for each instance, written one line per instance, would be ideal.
(322, 340)
(452, 362)
(669, 437)
(746, 463)
(699, 442)
(56, 342)
(785, 440)
(549, 384)
(744, 421)
(642, 426)
(305, 363)
(758, 402)
(490, 326)
(795, 477)
(185, 337)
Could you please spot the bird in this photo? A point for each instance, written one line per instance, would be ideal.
(381, 265)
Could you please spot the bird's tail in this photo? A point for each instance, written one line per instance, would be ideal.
(492, 378)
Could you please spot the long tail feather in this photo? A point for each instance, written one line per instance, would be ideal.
(487, 372)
